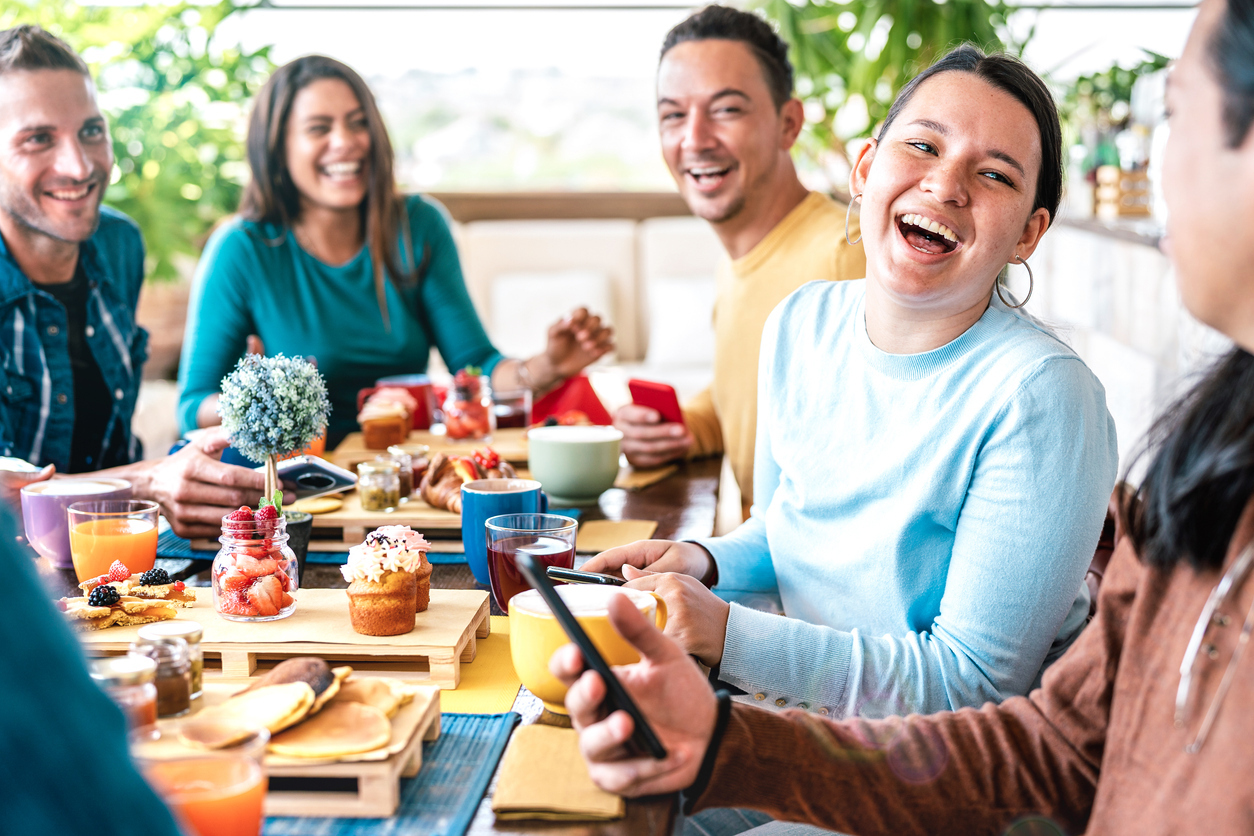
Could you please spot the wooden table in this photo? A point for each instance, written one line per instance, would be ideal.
(684, 507)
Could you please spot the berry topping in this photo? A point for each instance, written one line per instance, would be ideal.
(551, 421)
(179, 586)
(103, 596)
(118, 571)
(243, 514)
(487, 458)
(266, 512)
(154, 577)
(61, 605)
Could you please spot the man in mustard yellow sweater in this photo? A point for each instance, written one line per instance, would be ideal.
(728, 121)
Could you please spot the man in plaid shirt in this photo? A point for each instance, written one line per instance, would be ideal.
(71, 352)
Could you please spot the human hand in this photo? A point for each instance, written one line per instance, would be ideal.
(696, 618)
(575, 341)
(647, 442)
(656, 556)
(195, 489)
(670, 691)
(12, 482)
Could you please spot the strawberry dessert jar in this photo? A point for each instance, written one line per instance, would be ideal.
(254, 573)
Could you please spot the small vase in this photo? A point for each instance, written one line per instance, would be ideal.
(255, 572)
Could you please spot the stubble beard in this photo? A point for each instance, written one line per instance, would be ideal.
(28, 217)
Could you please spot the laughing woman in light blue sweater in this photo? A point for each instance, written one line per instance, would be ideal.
(932, 466)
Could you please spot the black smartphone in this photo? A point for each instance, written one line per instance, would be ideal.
(557, 573)
(311, 476)
(616, 695)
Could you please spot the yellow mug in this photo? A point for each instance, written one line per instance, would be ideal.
(534, 633)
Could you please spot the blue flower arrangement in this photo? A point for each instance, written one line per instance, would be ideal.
(272, 406)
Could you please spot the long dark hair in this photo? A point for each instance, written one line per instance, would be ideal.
(272, 197)
(1201, 476)
(1012, 76)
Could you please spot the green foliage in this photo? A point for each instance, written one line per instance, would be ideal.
(852, 57)
(176, 101)
(1103, 99)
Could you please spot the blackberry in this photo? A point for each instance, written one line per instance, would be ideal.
(103, 596)
(551, 421)
(154, 577)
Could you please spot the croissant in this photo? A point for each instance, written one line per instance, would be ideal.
(441, 485)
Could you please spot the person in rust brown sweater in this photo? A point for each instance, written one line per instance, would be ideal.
(1146, 725)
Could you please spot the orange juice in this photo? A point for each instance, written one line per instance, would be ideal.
(95, 544)
(212, 796)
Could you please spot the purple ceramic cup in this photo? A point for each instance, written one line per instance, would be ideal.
(43, 511)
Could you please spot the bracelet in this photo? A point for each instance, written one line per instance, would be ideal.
(524, 376)
(689, 796)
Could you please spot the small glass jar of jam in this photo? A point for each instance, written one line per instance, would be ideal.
(405, 468)
(174, 674)
(188, 631)
(130, 681)
(379, 485)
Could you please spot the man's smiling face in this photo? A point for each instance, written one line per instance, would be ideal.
(722, 134)
(55, 154)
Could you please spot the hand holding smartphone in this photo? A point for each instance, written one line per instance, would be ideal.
(616, 696)
(659, 397)
(559, 573)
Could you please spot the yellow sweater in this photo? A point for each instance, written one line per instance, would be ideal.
(807, 245)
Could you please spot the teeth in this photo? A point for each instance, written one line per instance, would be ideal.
(77, 194)
(705, 172)
(931, 226)
(335, 169)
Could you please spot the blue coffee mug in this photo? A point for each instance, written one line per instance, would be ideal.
(485, 498)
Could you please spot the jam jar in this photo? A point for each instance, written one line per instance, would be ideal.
(130, 681)
(379, 485)
(255, 573)
(188, 631)
(174, 674)
(405, 468)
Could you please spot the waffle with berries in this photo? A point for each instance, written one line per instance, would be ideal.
(104, 607)
(155, 585)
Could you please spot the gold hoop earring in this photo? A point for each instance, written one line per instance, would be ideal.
(1031, 287)
(847, 208)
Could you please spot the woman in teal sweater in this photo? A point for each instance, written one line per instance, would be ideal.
(326, 260)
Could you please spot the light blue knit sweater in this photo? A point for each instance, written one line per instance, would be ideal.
(925, 519)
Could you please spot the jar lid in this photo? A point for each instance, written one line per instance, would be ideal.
(396, 452)
(378, 466)
(114, 671)
(165, 650)
(189, 631)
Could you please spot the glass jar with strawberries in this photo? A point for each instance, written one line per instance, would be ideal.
(254, 574)
(468, 407)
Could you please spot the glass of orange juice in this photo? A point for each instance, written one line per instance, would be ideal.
(106, 530)
(218, 791)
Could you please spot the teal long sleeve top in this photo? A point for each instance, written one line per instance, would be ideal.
(926, 519)
(256, 279)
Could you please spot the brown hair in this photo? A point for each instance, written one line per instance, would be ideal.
(29, 47)
(272, 197)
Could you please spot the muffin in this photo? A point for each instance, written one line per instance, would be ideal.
(422, 578)
(383, 575)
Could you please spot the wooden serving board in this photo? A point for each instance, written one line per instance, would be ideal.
(444, 635)
(510, 444)
(365, 788)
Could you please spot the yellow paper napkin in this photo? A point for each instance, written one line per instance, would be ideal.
(489, 684)
(596, 536)
(543, 776)
(635, 479)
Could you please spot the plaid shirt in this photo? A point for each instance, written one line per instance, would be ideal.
(36, 380)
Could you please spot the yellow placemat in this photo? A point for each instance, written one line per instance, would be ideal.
(596, 536)
(489, 684)
(634, 479)
(543, 776)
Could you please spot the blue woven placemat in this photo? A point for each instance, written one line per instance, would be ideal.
(440, 800)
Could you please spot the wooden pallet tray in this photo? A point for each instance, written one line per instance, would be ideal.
(510, 444)
(444, 637)
(356, 789)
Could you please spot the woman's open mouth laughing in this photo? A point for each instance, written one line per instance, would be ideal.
(927, 235)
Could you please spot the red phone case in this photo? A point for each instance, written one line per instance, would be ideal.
(659, 396)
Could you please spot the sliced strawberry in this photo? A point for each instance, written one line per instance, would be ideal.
(487, 458)
(266, 595)
(288, 600)
(234, 582)
(465, 468)
(118, 572)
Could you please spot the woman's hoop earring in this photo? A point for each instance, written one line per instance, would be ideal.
(1031, 287)
(847, 208)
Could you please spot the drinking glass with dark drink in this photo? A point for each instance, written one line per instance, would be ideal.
(512, 409)
(549, 538)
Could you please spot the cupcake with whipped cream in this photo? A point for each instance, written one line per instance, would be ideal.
(383, 581)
